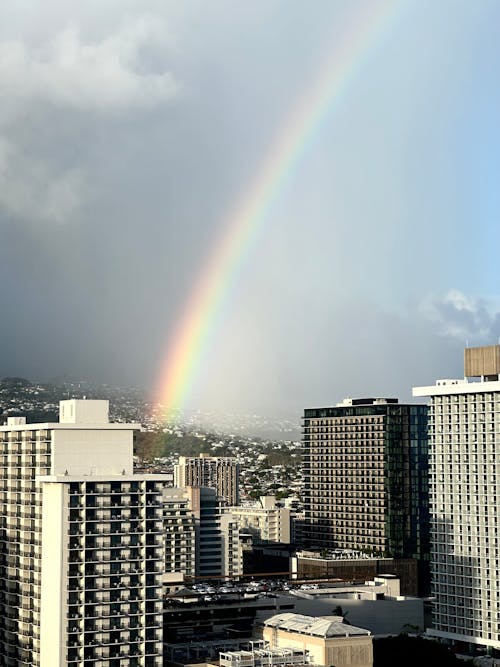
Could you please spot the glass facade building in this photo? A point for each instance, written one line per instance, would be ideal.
(366, 478)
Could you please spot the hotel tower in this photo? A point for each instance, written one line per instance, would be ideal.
(366, 478)
(82, 552)
(464, 500)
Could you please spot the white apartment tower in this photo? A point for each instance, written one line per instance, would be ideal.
(464, 497)
(221, 473)
(81, 544)
(264, 520)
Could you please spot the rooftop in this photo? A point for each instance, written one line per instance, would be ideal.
(365, 401)
(458, 386)
(322, 626)
(74, 414)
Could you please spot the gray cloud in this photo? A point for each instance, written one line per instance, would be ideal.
(31, 188)
(64, 78)
(130, 131)
(86, 75)
(470, 319)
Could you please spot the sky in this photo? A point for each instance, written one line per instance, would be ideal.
(131, 130)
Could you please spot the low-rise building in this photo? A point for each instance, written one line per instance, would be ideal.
(376, 605)
(191, 616)
(350, 565)
(328, 639)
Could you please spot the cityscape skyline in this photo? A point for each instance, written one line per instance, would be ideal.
(129, 135)
(91, 537)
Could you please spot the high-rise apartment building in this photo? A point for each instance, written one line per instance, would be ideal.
(180, 537)
(218, 549)
(221, 473)
(265, 520)
(81, 544)
(464, 500)
(366, 477)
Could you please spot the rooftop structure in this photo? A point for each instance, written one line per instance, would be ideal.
(325, 626)
(260, 654)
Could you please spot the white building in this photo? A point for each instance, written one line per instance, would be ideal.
(264, 520)
(221, 473)
(327, 639)
(180, 537)
(81, 544)
(464, 497)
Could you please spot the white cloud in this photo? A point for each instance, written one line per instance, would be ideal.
(94, 75)
(471, 319)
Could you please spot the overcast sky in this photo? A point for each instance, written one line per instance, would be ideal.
(129, 129)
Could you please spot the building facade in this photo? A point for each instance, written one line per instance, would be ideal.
(464, 499)
(328, 640)
(218, 549)
(366, 478)
(221, 473)
(81, 544)
(180, 537)
(264, 520)
(354, 566)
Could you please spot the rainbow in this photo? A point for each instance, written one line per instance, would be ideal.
(205, 307)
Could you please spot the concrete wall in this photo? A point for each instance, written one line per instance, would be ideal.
(54, 581)
(338, 651)
(480, 361)
(92, 452)
(78, 411)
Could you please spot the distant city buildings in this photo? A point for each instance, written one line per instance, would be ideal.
(221, 473)
(91, 553)
(366, 478)
(464, 500)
